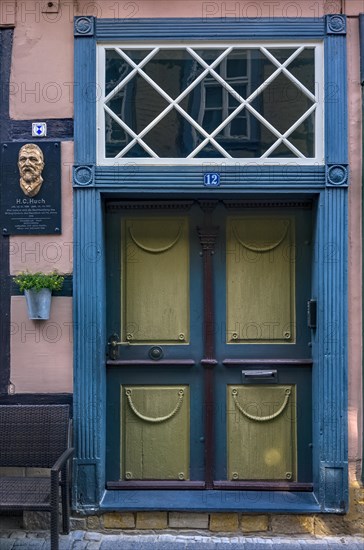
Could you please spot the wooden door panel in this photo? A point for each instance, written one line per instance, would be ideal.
(261, 432)
(156, 281)
(260, 280)
(155, 432)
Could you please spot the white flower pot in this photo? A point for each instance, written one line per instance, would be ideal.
(39, 303)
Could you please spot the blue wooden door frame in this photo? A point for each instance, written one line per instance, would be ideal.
(327, 185)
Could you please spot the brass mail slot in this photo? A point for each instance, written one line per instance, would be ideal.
(251, 375)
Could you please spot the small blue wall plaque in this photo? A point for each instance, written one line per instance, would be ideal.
(39, 129)
(211, 179)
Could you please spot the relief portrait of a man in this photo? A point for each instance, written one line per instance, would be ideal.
(31, 164)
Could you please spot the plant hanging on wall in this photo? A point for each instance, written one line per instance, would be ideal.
(38, 288)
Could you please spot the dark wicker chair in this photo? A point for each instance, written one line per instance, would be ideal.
(36, 436)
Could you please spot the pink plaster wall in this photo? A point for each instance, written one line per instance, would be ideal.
(355, 250)
(49, 252)
(41, 351)
(7, 13)
(42, 65)
(191, 8)
(41, 82)
(353, 7)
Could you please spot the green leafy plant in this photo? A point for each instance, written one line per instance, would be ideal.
(39, 280)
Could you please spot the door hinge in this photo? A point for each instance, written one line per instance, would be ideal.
(312, 313)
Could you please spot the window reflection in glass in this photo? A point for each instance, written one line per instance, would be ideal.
(209, 102)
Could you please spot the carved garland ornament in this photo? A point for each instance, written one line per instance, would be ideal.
(158, 419)
(287, 393)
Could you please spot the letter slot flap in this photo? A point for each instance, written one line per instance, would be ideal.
(259, 375)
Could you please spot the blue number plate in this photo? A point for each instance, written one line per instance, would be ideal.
(211, 179)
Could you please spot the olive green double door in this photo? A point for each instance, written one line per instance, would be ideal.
(209, 369)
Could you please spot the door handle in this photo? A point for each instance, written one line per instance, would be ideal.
(312, 314)
(113, 345)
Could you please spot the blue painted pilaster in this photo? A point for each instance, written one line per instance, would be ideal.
(336, 111)
(89, 299)
(89, 349)
(85, 95)
(330, 343)
(330, 372)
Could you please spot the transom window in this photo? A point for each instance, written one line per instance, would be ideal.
(183, 104)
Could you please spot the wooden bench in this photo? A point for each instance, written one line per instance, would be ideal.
(36, 436)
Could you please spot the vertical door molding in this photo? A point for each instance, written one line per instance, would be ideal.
(335, 97)
(85, 94)
(89, 287)
(89, 348)
(330, 348)
(208, 236)
(330, 354)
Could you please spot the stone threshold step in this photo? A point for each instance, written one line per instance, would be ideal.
(87, 540)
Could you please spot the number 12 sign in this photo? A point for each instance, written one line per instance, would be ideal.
(211, 179)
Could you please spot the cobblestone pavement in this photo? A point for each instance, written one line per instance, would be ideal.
(87, 540)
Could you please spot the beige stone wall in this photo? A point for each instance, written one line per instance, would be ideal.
(263, 524)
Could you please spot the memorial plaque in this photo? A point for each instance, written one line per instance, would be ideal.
(30, 188)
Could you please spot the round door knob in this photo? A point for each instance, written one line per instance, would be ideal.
(156, 353)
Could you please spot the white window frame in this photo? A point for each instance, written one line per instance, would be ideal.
(244, 80)
(264, 160)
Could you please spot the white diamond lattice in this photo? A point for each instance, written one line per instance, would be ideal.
(210, 70)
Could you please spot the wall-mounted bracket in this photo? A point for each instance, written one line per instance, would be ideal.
(51, 6)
